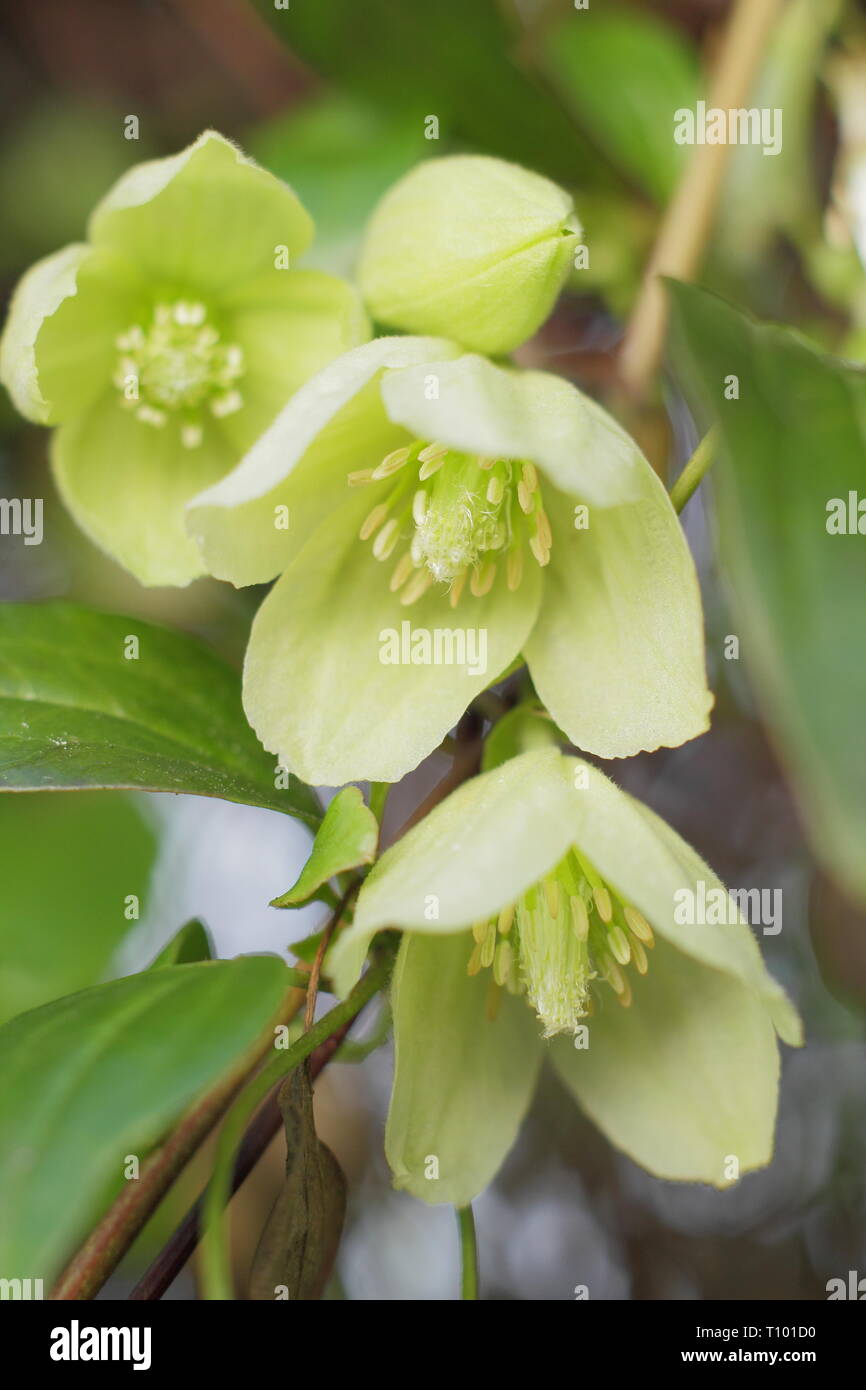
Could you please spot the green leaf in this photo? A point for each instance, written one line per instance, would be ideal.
(347, 838)
(624, 73)
(469, 75)
(300, 1240)
(793, 441)
(192, 943)
(98, 1076)
(70, 865)
(77, 711)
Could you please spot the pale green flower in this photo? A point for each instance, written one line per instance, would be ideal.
(470, 247)
(165, 344)
(410, 484)
(539, 902)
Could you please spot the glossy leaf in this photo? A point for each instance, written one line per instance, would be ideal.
(101, 1075)
(93, 699)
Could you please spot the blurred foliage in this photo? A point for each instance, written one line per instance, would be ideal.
(650, 67)
(43, 208)
(339, 156)
(799, 587)
(420, 62)
(69, 864)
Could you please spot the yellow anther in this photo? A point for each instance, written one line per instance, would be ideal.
(530, 476)
(639, 956)
(429, 467)
(619, 944)
(543, 531)
(432, 452)
(551, 893)
(524, 497)
(373, 521)
(638, 924)
(494, 998)
(474, 961)
(603, 903)
(624, 995)
(539, 550)
(488, 946)
(506, 920)
(612, 973)
(391, 463)
(419, 506)
(359, 478)
(579, 918)
(502, 962)
(403, 569)
(479, 929)
(482, 579)
(485, 462)
(457, 589)
(418, 585)
(495, 491)
(383, 545)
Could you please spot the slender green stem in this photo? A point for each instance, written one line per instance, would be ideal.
(692, 475)
(378, 796)
(468, 1252)
(216, 1265)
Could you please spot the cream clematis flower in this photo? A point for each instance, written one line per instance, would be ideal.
(412, 486)
(538, 908)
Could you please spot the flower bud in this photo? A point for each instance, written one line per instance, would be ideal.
(471, 248)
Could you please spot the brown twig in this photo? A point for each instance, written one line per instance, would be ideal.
(109, 1241)
(315, 973)
(689, 217)
(174, 1255)
(266, 1123)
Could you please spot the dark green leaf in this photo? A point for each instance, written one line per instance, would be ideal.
(300, 1240)
(793, 441)
(463, 68)
(76, 712)
(98, 1076)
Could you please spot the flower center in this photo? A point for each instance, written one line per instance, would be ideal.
(178, 366)
(564, 934)
(463, 516)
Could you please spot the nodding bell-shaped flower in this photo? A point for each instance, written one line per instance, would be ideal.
(165, 344)
(431, 516)
(539, 908)
(470, 247)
